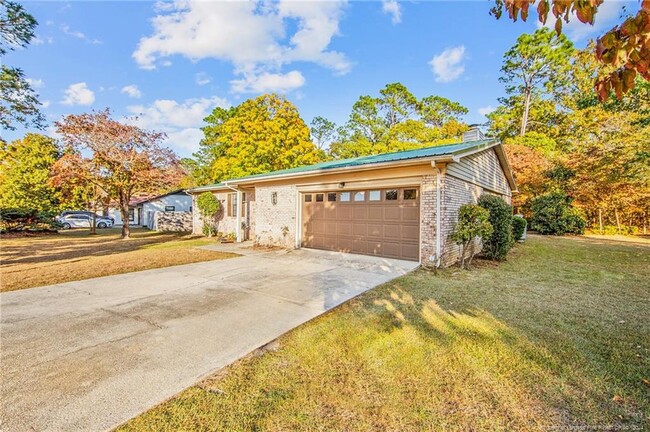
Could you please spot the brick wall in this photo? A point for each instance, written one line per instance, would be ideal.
(274, 224)
(172, 221)
(428, 219)
(455, 193)
(225, 224)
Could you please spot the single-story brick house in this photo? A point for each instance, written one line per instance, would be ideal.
(396, 205)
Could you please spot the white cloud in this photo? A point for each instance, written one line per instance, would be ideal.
(45, 104)
(258, 38)
(40, 40)
(132, 91)
(79, 35)
(202, 79)
(78, 94)
(607, 16)
(448, 65)
(486, 110)
(181, 121)
(392, 8)
(35, 83)
(268, 82)
(185, 140)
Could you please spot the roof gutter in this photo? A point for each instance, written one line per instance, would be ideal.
(366, 167)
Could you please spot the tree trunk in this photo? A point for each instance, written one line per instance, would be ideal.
(618, 221)
(93, 225)
(124, 210)
(524, 118)
(600, 220)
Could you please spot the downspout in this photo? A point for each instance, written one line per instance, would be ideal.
(438, 260)
(238, 212)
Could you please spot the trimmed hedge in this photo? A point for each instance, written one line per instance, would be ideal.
(496, 246)
(518, 227)
(554, 214)
(31, 220)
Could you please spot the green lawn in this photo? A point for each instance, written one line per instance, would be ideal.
(557, 338)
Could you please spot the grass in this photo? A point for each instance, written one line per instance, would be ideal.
(556, 338)
(75, 255)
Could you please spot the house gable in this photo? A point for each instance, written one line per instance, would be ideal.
(483, 169)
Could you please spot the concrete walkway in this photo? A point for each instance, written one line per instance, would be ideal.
(89, 355)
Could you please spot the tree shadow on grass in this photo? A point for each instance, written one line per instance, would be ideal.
(504, 359)
(61, 249)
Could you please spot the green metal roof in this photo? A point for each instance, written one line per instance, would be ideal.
(425, 152)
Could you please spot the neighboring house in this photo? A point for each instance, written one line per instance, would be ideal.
(142, 209)
(135, 214)
(396, 205)
(176, 201)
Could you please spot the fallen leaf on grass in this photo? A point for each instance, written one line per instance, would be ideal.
(645, 381)
(617, 399)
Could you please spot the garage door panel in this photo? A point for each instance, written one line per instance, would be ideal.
(344, 228)
(345, 245)
(410, 213)
(318, 227)
(411, 250)
(392, 231)
(359, 246)
(344, 212)
(392, 213)
(330, 228)
(388, 228)
(375, 230)
(359, 212)
(359, 229)
(392, 249)
(410, 233)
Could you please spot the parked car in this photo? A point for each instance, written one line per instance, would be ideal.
(76, 220)
(84, 212)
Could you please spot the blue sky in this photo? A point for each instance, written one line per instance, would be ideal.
(172, 63)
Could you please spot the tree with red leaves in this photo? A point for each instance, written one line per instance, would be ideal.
(120, 159)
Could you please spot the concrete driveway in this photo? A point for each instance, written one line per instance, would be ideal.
(89, 355)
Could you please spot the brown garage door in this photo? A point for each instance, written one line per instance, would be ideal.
(382, 222)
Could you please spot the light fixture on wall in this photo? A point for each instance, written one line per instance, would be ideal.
(341, 185)
(274, 198)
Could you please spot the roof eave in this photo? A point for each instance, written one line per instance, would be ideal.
(365, 167)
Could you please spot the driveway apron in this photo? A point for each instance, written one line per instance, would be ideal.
(89, 355)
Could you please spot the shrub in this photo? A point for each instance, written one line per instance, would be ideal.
(614, 230)
(209, 207)
(472, 223)
(27, 220)
(497, 245)
(554, 214)
(518, 227)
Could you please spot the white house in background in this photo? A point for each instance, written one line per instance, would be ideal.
(176, 201)
(141, 212)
